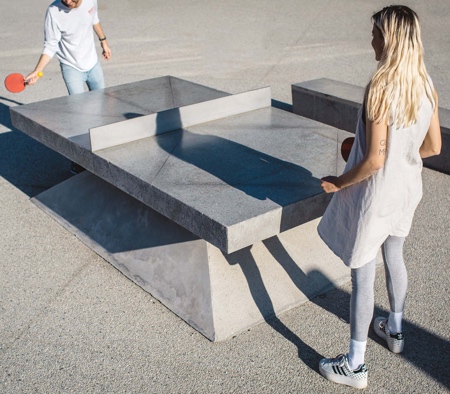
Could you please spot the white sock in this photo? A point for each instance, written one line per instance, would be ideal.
(356, 353)
(395, 322)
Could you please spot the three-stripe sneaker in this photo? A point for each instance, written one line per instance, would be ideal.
(337, 370)
(395, 342)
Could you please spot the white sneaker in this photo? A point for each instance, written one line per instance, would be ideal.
(337, 370)
(395, 342)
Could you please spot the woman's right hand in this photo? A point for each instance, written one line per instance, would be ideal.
(329, 184)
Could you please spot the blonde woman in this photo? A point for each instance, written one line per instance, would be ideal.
(376, 196)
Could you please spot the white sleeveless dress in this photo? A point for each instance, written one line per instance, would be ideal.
(360, 217)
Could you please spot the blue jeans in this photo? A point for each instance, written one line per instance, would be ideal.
(75, 79)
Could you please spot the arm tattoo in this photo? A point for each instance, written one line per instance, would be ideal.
(382, 151)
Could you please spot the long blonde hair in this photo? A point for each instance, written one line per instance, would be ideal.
(395, 91)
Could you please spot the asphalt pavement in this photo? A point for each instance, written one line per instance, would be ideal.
(71, 323)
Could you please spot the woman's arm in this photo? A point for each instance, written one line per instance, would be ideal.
(376, 137)
(432, 143)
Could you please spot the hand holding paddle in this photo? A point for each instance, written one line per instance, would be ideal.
(329, 183)
(15, 83)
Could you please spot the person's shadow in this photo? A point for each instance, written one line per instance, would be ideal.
(262, 299)
(424, 349)
(257, 174)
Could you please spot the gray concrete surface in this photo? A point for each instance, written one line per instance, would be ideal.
(70, 323)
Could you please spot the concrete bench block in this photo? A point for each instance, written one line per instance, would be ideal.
(331, 102)
(337, 104)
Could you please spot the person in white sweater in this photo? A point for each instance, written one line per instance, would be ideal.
(69, 34)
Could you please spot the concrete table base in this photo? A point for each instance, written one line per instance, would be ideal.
(218, 294)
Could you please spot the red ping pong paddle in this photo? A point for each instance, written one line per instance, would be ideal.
(15, 82)
(346, 147)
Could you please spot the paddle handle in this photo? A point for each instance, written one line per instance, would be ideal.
(346, 147)
(39, 75)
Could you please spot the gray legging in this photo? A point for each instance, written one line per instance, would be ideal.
(363, 278)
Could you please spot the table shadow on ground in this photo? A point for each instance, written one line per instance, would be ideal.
(27, 164)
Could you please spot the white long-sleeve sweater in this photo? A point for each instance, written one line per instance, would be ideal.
(69, 34)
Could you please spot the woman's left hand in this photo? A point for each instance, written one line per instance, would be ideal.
(329, 184)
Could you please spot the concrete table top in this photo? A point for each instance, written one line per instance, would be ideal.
(233, 181)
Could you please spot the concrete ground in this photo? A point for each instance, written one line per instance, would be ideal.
(71, 323)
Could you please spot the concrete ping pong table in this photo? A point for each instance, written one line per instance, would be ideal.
(207, 200)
